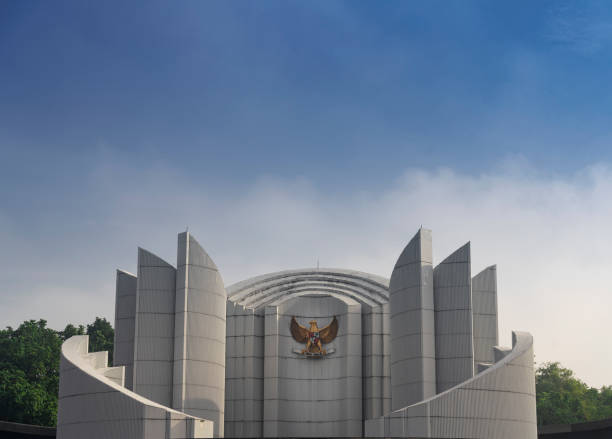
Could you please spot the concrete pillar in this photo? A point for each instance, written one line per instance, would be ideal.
(199, 348)
(484, 302)
(125, 314)
(154, 333)
(413, 365)
(453, 316)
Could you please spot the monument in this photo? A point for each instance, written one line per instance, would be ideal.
(308, 352)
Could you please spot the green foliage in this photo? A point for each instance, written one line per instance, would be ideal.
(564, 399)
(71, 330)
(29, 373)
(101, 335)
(29, 367)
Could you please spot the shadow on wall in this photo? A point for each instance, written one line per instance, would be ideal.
(207, 409)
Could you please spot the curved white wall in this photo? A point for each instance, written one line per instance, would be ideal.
(498, 403)
(199, 335)
(413, 351)
(93, 403)
(453, 319)
(154, 328)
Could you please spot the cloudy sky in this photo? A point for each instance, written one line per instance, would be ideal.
(285, 132)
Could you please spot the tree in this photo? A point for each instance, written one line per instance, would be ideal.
(29, 373)
(101, 337)
(29, 367)
(564, 399)
(71, 330)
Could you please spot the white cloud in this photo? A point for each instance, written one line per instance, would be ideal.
(550, 237)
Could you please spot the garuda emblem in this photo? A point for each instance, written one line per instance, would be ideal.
(313, 336)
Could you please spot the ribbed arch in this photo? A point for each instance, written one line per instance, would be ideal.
(262, 290)
(342, 297)
(309, 290)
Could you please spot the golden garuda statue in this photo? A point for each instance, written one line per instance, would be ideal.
(314, 337)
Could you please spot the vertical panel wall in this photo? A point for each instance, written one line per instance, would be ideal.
(244, 381)
(386, 324)
(313, 397)
(154, 330)
(453, 315)
(376, 358)
(199, 354)
(413, 365)
(484, 301)
(125, 313)
(271, 372)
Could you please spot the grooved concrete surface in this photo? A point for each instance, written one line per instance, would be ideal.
(413, 362)
(92, 406)
(171, 332)
(199, 353)
(154, 328)
(313, 397)
(228, 364)
(453, 317)
(498, 403)
(484, 302)
(125, 314)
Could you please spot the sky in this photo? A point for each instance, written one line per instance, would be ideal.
(285, 132)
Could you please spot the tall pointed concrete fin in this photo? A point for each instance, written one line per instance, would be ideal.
(462, 254)
(198, 256)
(125, 314)
(199, 348)
(149, 259)
(418, 249)
(413, 367)
(154, 328)
(484, 300)
(453, 318)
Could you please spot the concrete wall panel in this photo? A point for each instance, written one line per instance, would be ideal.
(453, 319)
(199, 331)
(92, 406)
(125, 314)
(412, 313)
(313, 392)
(484, 297)
(154, 328)
(498, 403)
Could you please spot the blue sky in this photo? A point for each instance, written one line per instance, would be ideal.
(282, 132)
(324, 90)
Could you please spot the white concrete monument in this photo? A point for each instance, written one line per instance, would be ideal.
(311, 352)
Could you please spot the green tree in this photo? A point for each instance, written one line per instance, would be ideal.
(101, 337)
(564, 399)
(29, 367)
(29, 373)
(605, 404)
(71, 330)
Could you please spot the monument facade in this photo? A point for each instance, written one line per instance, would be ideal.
(309, 352)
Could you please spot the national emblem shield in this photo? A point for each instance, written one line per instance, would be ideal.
(314, 337)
